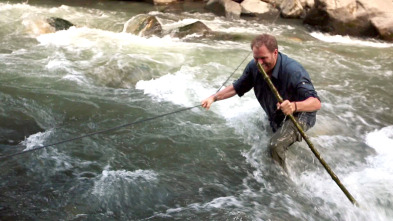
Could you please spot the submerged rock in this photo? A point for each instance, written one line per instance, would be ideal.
(59, 23)
(143, 25)
(16, 126)
(198, 28)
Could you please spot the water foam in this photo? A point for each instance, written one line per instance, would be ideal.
(217, 203)
(349, 40)
(369, 185)
(181, 88)
(6, 6)
(188, 87)
(381, 140)
(377, 177)
(36, 140)
(110, 180)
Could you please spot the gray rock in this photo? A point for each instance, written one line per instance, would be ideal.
(143, 25)
(194, 28)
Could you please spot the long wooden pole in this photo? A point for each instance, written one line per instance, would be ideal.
(305, 137)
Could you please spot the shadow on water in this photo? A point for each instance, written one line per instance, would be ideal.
(15, 126)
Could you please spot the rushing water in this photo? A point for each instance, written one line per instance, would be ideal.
(195, 164)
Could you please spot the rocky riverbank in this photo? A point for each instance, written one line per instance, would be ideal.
(360, 18)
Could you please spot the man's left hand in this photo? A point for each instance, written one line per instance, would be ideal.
(286, 107)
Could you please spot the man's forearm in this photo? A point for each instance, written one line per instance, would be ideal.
(309, 105)
(224, 94)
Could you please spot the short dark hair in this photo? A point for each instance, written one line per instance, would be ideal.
(265, 39)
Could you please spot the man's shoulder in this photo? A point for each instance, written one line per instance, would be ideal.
(286, 60)
(290, 65)
(251, 64)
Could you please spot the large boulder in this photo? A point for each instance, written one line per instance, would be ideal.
(291, 9)
(351, 17)
(256, 7)
(143, 25)
(384, 27)
(228, 8)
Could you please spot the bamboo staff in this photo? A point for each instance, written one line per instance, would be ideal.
(305, 137)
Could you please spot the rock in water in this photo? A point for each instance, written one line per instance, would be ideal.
(143, 25)
(59, 23)
(193, 28)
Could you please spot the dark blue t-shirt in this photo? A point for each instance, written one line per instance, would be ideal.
(292, 82)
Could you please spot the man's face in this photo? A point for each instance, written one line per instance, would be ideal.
(266, 58)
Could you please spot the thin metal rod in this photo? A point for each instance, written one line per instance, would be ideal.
(305, 137)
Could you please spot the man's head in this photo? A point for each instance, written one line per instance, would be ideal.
(265, 51)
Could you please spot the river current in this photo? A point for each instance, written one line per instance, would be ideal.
(194, 164)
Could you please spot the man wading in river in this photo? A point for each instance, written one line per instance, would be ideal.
(292, 82)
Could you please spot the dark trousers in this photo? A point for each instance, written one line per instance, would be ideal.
(283, 138)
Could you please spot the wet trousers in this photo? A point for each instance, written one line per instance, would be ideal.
(283, 138)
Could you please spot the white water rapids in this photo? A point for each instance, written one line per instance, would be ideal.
(194, 165)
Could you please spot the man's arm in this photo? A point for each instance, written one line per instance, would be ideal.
(221, 95)
(309, 105)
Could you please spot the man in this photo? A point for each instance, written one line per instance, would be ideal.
(292, 82)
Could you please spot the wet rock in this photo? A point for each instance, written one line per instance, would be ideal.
(38, 25)
(143, 25)
(59, 23)
(198, 28)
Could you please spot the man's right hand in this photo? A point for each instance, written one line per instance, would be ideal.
(208, 102)
(221, 95)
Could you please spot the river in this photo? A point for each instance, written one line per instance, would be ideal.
(193, 164)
